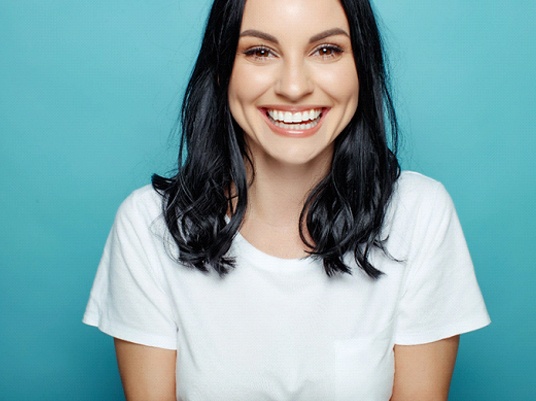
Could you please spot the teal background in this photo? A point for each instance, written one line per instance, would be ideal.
(89, 93)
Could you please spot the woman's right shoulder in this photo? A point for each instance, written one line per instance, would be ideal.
(143, 205)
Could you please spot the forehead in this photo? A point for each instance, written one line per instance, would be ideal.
(294, 18)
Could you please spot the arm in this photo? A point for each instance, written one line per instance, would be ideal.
(423, 372)
(147, 373)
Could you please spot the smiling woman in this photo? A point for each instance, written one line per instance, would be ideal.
(298, 81)
(288, 258)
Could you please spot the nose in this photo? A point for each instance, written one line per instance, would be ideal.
(294, 81)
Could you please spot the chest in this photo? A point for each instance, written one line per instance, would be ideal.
(288, 336)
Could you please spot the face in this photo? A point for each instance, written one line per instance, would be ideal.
(294, 85)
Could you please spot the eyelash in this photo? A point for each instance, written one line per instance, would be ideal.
(254, 52)
(335, 51)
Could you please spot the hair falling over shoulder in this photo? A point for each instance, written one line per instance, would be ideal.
(344, 213)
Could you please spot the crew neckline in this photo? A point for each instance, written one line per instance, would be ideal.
(244, 249)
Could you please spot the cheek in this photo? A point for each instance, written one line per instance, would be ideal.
(245, 83)
(242, 95)
(341, 83)
(248, 83)
(236, 98)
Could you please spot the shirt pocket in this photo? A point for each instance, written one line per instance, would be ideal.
(364, 368)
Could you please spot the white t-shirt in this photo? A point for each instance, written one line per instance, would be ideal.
(281, 329)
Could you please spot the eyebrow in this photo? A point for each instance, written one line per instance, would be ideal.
(270, 38)
(327, 34)
(261, 35)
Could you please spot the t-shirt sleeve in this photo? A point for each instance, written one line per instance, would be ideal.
(441, 297)
(128, 300)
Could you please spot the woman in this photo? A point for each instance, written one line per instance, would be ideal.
(288, 259)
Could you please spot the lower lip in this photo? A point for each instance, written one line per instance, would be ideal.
(294, 133)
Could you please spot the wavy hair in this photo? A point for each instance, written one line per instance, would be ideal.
(343, 213)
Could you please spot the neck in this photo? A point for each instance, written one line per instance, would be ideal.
(276, 197)
(278, 192)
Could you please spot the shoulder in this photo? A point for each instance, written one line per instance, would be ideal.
(417, 191)
(418, 203)
(143, 203)
(411, 183)
(141, 212)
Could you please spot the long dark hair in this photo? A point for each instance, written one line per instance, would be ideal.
(343, 213)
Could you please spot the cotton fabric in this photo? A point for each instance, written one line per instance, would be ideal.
(281, 329)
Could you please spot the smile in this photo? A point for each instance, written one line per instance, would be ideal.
(298, 121)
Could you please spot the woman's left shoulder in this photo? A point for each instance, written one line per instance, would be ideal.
(419, 200)
(418, 189)
(412, 181)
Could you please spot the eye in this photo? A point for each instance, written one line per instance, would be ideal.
(259, 53)
(328, 51)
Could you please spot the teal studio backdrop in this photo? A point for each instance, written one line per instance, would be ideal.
(89, 93)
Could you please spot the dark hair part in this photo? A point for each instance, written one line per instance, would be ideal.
(343, 213)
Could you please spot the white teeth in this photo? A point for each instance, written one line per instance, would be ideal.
(296, 127)
(295, 118)
(288, 117)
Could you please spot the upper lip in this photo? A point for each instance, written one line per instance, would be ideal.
(293, 109)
